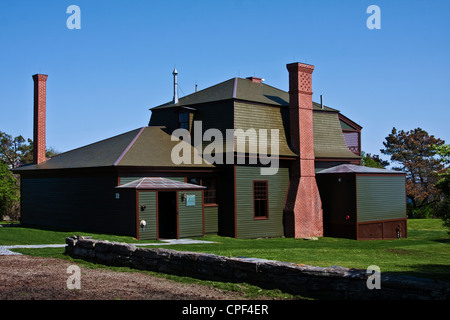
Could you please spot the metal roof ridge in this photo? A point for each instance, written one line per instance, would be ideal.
(235, 87)
(128, 147)
(142, 180)
(358, 169)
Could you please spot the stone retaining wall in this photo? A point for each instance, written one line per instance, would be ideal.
(310, 281)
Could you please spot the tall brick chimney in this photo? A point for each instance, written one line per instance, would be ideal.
(303, 208)
(40, 86)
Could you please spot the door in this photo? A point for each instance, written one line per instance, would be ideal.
(167, 215)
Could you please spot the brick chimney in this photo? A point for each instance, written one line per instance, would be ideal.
(255, 79)
(303, 208)
(40, 86)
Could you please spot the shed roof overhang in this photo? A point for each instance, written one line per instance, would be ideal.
(159, 183)
(355, 169)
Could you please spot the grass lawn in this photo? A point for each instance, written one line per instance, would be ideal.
(425, 253)
(25, 235)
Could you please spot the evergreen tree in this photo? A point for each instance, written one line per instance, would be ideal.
(415, 154)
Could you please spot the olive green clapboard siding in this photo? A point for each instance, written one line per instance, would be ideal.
(247, 226)
(83, 203)
(380, 198)
(211, 219)
(148, 199)
(190, 219)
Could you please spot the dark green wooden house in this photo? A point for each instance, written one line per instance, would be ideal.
(130, 185)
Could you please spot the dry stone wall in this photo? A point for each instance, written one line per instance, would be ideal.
(310, 281)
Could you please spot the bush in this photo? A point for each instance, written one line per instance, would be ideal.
(427, 212)
(443, 211)
(9, 194)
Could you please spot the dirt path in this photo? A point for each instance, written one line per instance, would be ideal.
(32, 278)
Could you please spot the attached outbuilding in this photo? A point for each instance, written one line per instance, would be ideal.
(363, 203)
(166, 208)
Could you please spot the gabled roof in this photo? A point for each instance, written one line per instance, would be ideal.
(351, 168)
(144, 147)
(152, 146)
(240, 89)
(328, 138)
(158, 183)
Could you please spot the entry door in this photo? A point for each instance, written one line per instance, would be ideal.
(167, 214)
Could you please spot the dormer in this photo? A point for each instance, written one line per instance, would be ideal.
(185, 117)
(352, 134)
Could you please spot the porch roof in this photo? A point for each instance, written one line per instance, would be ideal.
(159, 183)
(352, 168)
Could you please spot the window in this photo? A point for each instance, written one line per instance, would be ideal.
(183, 120)
(209, 192)
(260, 199)
(352, 141)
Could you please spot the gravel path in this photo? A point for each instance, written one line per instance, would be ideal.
(24, 277)
(34, 278)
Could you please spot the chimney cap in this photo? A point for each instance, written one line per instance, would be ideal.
(40, 76)
(175, 71)
(255, 79)
(299, 66)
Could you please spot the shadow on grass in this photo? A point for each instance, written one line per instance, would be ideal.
(442, 240)
(437, 272)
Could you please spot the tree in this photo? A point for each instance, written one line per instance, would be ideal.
(15, 151)
(9, 193)
(444, 183)
(443, 210)
(373, 161)
(415, 153)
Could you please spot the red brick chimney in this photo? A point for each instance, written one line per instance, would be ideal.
(255, 79)
(303, 208)
(40, 86)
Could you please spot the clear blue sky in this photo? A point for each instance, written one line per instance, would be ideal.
(104, 77)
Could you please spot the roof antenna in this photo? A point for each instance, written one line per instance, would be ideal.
(175, 85)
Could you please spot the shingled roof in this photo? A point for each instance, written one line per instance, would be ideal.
(240, 89)
(143, 147)
(329, 140)
(151, 146)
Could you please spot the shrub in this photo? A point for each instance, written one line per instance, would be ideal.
(9, 194)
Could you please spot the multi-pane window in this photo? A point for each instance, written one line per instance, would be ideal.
(352, 141)
(209, 192)
(183, 120)
(260, 199)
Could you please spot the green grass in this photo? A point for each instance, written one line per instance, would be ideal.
(425, 253)
(28, 235)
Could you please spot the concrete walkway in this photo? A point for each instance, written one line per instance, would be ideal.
(4, 250)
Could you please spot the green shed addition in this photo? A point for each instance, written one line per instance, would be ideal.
(363, 203)
(166, 208)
